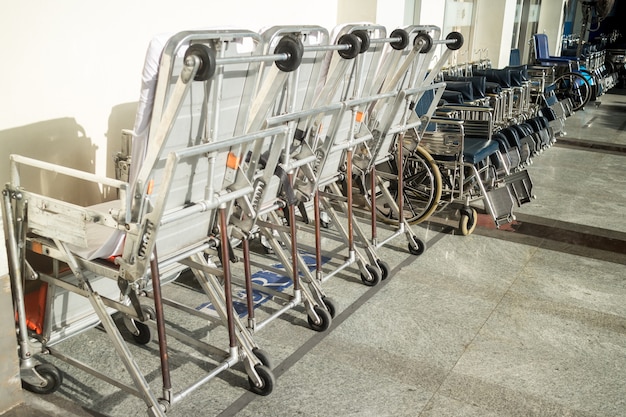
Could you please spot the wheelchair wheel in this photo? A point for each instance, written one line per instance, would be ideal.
(422, 187)
(594, 82)
(574, 86)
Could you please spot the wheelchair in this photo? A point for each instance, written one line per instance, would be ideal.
(459, 160)
(570, 80)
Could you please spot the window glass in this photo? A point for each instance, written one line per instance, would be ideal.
(459, 17)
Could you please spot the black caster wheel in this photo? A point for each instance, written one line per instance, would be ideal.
(423, 40)
(330, 305)
(384, 269)
(144, 336)
(365, 39)
(52, 375)
(355, 45)
(267, 379)
(403, 39)
(262, 356)
(374, 277)
(292, 47)
(207, 58)
(418, 248)
(325, 320)
(457, 39)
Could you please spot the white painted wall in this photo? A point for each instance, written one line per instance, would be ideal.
(430, 12)
(494, 29)
(551, 23)
(356, 11)
(390, 13)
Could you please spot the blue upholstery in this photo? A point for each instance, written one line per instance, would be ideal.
(503, 142)
(479, 84)
(512, 136)
(423, 104)
(477, 150)
(453, 97)
(542, 52)
(464, 87)
(499, 76)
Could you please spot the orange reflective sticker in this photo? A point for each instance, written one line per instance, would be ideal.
(233, 161)
(359, 116)
(150, 187)
(36, 247)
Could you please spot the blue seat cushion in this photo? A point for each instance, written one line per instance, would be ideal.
(503, 142)
(476, 150)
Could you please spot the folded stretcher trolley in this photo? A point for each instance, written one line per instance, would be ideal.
(412, 197)
(272, 205)
(172, 216)
(348, 80)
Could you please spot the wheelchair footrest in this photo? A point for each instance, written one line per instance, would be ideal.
(499, 203)
(520, 186)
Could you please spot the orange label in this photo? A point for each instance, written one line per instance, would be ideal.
(233, 161)
(36, 247)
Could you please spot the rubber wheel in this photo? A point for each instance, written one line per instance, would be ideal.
(330, 305)
(403, 40)
(384, 269)
(262, 356)
(145, 335)
(468, 221)
(267, 378)
(52, 375)
(421, 191)
(207, 57)
(594, 83)
(419, 249)
(365, 39)
(375, 276)
(426, 40)
(325, 320)
(355, 45)
(294, 49)
(457, 37)
(575, 87)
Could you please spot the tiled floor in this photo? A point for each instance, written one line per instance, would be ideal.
(528, 320)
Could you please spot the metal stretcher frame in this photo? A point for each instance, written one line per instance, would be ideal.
(291, 104)
(180, 197)
(402, 126)
(353, 83)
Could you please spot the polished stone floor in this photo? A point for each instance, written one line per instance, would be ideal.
(527, 320)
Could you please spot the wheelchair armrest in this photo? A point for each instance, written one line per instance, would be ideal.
(447, 120)
(478, 120)
(449, 109)
(446, 141)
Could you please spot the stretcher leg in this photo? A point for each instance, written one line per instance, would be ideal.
(160, 321)
(155, 407)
